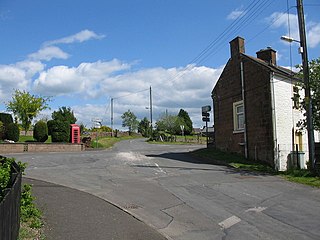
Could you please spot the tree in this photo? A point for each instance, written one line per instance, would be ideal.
(64, 114)
(144, 127)
(129, 120)
(59, 130)
(26, 107)
(314, 77)
(187, 121)
(168, 123)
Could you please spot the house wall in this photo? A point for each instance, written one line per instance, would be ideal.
(226, 92)
(258, 112)
(286, 123)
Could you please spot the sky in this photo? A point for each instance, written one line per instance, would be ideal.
(84, 53)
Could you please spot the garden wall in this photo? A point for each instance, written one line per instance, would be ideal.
(40, 147)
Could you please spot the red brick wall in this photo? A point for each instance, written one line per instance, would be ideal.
(258, 112)
(226, 92)
(257, 106)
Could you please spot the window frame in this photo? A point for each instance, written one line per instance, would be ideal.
(236, 114)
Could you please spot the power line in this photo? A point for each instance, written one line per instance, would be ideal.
(250, 13)
(131, 94)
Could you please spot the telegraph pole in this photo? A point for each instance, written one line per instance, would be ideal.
(305, 65)
(151, 109)
(111, 117)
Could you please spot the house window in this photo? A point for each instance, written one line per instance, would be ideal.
(238, 116)
(298, 141)
(296, 98)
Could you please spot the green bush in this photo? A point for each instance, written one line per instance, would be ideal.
(6, 118)
(60, 131)
(50, 125)
(40, 131)
(12, 132)
(2, 132)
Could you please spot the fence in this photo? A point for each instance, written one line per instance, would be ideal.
(10, 207)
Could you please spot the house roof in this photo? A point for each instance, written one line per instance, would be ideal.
(274, 68)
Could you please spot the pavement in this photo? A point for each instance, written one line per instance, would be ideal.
(73, 214)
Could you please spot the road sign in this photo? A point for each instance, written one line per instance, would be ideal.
(206, 119)
(205, 114)
(206, 108)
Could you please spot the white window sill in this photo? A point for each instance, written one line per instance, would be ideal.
(238, 131)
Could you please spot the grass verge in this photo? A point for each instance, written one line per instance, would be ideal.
(23, 139)
(107, 142)
(216, 156)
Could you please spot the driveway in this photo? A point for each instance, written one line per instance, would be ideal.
(183, 198)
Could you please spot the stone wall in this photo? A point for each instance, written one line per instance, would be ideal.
(40, 147)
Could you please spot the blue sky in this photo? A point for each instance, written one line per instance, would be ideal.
(83, 53)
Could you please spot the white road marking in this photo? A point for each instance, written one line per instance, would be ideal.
(256, 209)
(229, 222)
(160, 169)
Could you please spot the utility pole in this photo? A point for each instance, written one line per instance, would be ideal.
(151, 109)
(305, 65)
(111, 117)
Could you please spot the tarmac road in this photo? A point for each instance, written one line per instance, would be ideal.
(183, 198)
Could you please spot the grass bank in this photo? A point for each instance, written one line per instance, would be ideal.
(107, 142)
(216, 156)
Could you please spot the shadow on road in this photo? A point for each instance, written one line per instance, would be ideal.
(188, 158)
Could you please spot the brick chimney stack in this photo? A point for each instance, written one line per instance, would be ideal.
(237, 47)
(269, 55)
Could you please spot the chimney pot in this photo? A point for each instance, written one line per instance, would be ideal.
(268, 55)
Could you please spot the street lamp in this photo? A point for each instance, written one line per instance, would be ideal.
(308, 100)
(289, 39)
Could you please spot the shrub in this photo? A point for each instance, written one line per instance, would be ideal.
(50, 125)
(6, 118)
(60, 131)
(1, 130)
(40, 131)
(12, 132)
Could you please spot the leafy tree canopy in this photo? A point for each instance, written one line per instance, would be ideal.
(144, 127)
(168, 123)
(129, 120)
(314, 76)
(64, 114)
(26, 106)
(186, 120)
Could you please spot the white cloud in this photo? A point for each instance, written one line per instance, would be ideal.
(173, 88)
(280, 20)
(236, 14)
(86, 78)
(313, 34)
(80, 37)
(48, 53)
(12, 77)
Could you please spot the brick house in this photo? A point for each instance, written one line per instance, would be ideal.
(254, 112)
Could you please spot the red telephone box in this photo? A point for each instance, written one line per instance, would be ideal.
(75, 133)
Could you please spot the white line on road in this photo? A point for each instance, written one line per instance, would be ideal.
(229, 222)
(160, 169)
(256, 209)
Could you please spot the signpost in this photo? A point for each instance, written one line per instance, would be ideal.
(206, 118)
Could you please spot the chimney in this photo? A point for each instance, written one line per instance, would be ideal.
(269, 55)
(237, 47)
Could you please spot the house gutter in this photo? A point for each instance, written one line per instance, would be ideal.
(244, 111)
(274, 126)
